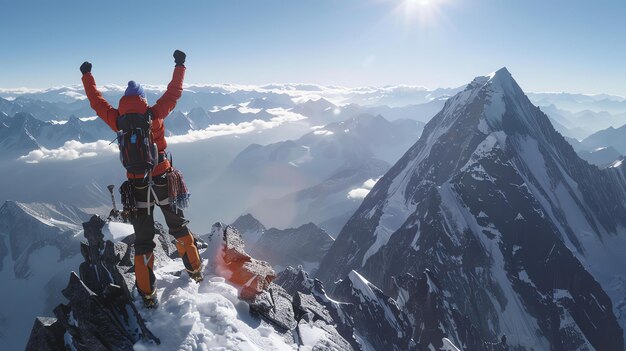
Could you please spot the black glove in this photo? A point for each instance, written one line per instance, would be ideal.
(85, 67)
(179, 58)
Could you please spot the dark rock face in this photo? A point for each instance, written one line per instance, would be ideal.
(377, 319)
(47, 335)
(95, 324)
(307, 304)
(275, 305)
(100, 314)
(313, 308)
(423, 300)
(498, 206)
(294, 280)
(362, 314)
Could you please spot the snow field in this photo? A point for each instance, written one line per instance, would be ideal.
(205, 316)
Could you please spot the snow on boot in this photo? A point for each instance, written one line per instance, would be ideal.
(150, 301)
(197, 275)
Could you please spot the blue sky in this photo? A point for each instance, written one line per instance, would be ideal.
(548, 45)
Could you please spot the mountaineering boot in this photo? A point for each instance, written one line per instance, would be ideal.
(188, 251)
(150, 301)
(197, 276)
(145, 279)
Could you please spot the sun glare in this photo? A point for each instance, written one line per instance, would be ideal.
(421, 12)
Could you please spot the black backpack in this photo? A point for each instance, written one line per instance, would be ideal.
(138, 152)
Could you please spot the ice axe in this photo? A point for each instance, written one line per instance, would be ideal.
(111, 187)
(114, 212)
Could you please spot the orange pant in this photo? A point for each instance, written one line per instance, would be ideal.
(144, 273)
(144, 263)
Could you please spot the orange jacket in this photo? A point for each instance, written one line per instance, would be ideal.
(136, 104)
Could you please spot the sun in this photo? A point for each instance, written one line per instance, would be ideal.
(421, 12)
(423, 3)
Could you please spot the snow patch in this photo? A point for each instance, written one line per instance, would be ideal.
(246, 109)
(448, 345)
(323, 132)
(116, 231)
(310, 334)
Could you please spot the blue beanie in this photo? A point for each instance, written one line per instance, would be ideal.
(134, 89)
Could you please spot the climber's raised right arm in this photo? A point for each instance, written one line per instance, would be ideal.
(103, 109)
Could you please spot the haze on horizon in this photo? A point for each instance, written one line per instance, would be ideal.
(547, 45)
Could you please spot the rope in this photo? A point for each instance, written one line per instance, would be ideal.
(178, 192)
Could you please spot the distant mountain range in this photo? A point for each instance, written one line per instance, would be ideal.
(581, 124)
(610, 137)
(304, 246)
(321, 167)
(581, 102)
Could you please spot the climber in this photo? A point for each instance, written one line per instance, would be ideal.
(151, 178)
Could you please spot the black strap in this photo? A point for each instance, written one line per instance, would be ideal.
(162, 156)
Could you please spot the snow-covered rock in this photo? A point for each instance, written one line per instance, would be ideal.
(378, 321)
(361, 313)
(104, 313)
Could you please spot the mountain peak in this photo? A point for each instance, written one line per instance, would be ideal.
(320, 103)
(501, 77)
(505, 106)
(248, 222)
(488, 167)
(10, 205)
(502, 72)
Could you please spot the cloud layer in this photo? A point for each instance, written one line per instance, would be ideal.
(282, 116)
(73, 149)
(361, 193)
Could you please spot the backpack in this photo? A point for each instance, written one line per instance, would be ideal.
(138, 153)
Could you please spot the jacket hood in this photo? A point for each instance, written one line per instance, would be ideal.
(132, 104)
